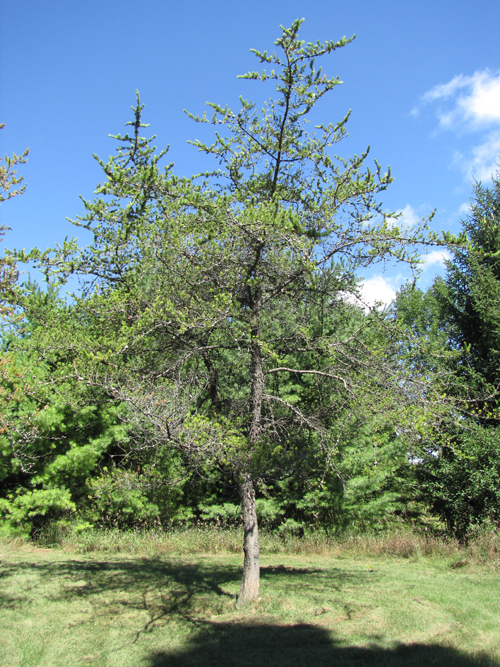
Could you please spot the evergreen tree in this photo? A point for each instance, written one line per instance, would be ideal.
(203, 312)
(469, 300)
(456, 338)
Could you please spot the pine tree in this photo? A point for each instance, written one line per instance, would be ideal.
(469, 299)
(457, 323)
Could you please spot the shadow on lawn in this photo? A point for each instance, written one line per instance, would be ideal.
(127, 581)
(163, 588)
(180, 580)
(166, 590)
(264, 645)
(192, 592)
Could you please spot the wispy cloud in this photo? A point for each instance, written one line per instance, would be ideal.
(471, 101)
(482, 161)
(435, 257)
(470, 104)
(408, 217)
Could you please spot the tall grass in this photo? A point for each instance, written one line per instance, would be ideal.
(482, 547)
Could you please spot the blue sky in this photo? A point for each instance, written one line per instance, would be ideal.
(422, 80)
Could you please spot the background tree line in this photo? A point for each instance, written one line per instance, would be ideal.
(217, 363)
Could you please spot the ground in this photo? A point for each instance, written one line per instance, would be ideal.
(61, 609)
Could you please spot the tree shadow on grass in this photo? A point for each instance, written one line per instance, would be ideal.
(166, 590)
(176, 590)
(127, 580)
(91, 578)
(266, 645)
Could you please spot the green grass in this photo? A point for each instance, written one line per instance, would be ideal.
(350, 609)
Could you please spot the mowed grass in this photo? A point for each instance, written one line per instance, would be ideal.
(62, 609)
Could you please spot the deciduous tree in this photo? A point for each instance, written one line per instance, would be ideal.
(219, 309)
(11, 185)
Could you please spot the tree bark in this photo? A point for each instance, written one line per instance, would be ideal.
(249, 589)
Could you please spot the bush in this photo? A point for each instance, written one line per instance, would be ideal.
(24, 513)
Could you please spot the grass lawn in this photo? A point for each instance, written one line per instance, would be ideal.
(60, 609)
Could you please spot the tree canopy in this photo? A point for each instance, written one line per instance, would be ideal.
(219, 333)
(456, 327)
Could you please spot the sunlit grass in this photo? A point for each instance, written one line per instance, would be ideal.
(350, 608)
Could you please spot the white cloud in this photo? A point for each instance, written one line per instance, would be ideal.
(408, 217)
(483, 160)
(435, 257)
(446, 89)
(464, 209)
(377, 289)
(473, 101)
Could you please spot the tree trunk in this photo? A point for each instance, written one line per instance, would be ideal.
(249, 589)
